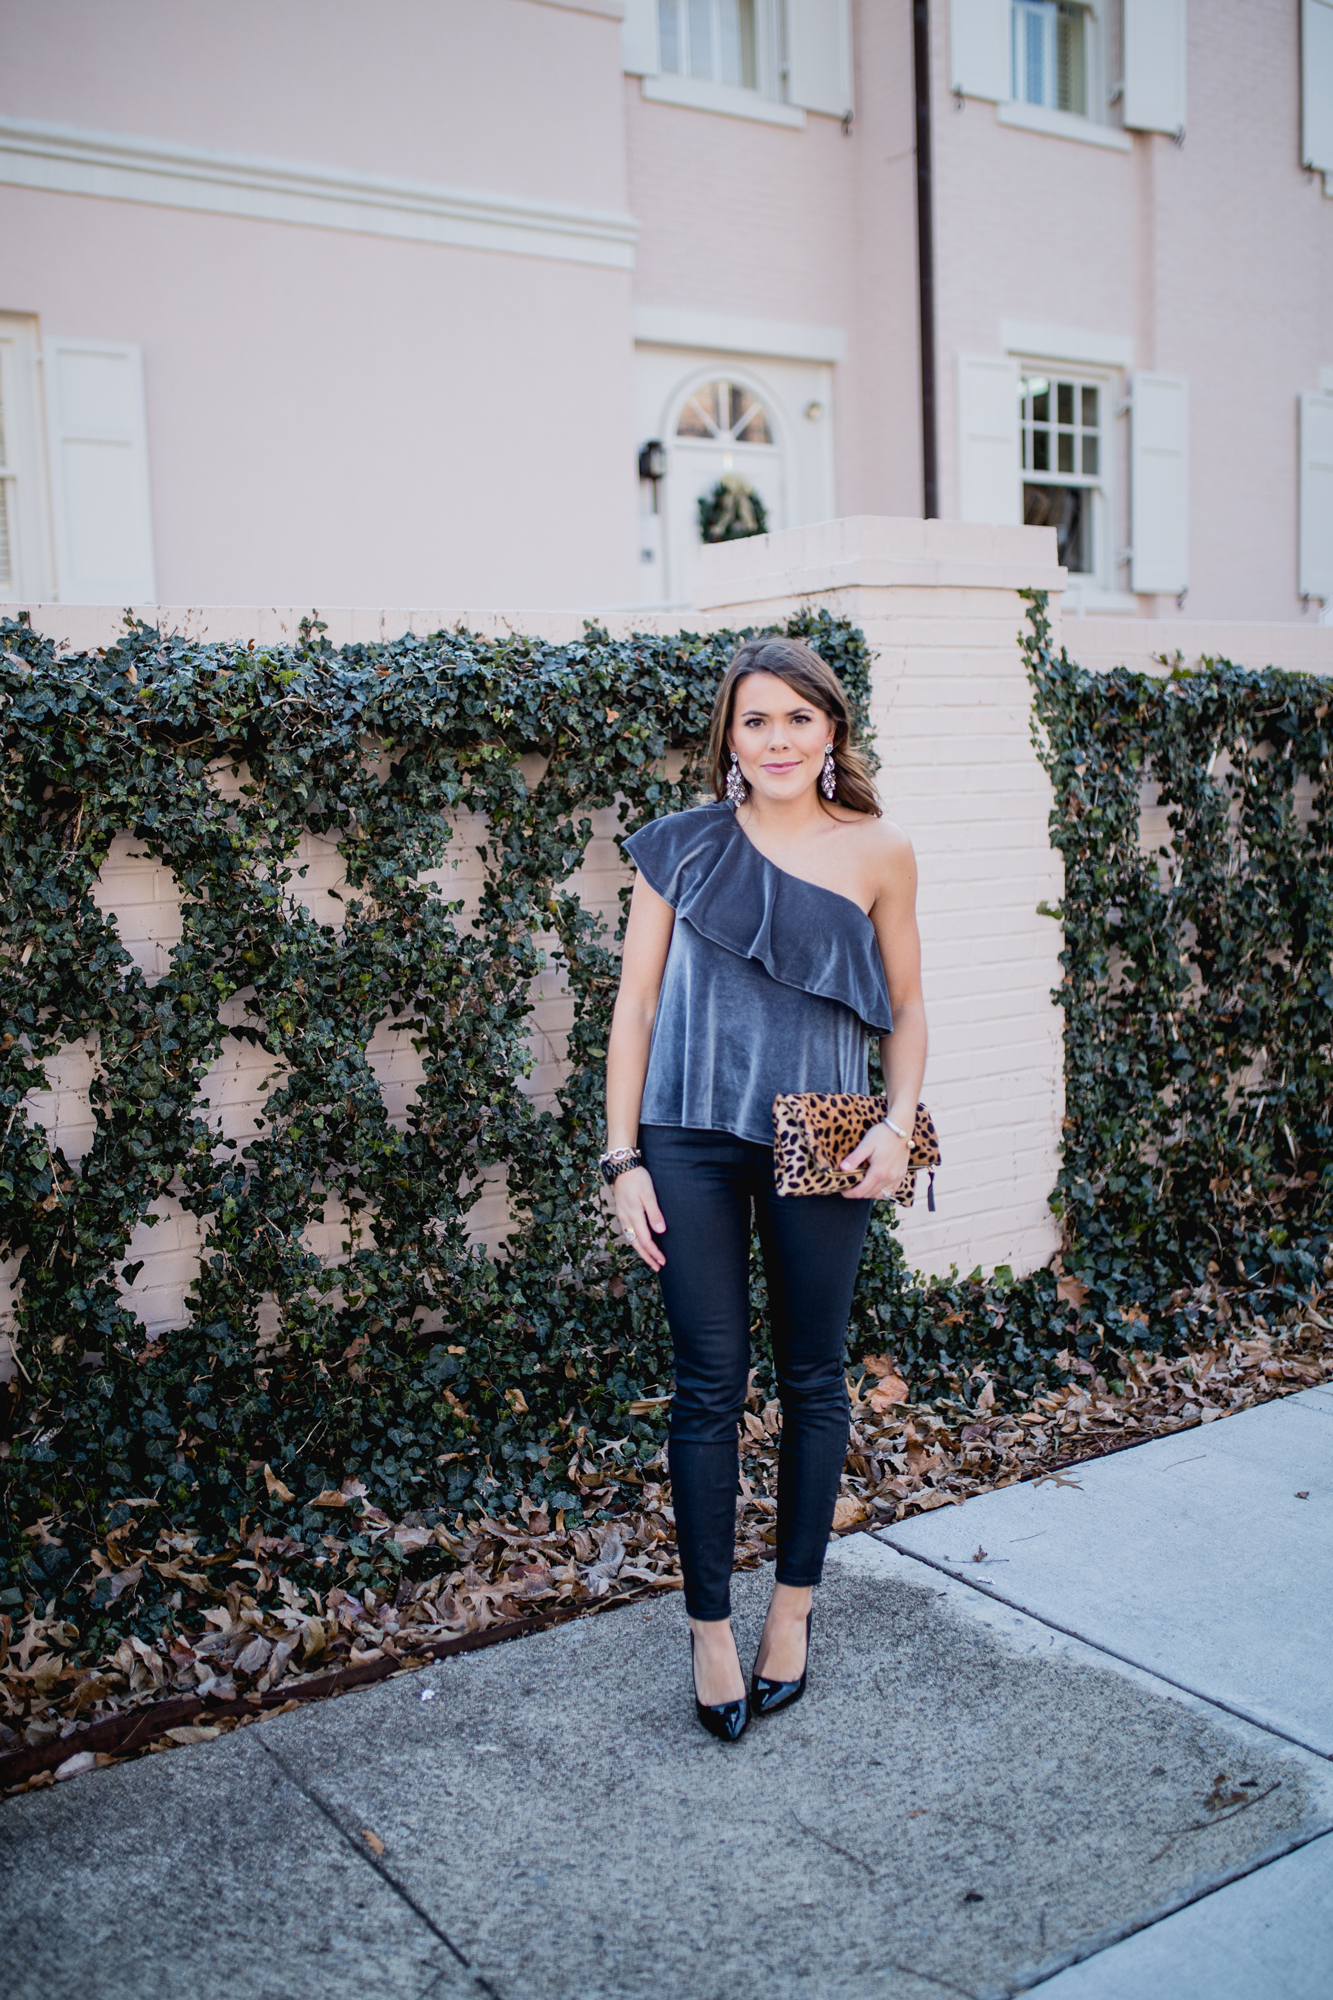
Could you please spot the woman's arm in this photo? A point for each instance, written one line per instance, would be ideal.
(642, 963)
(903, 1053)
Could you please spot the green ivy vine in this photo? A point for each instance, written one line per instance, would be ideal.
(1198, 978)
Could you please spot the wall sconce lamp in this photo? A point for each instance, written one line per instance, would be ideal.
(652, 466)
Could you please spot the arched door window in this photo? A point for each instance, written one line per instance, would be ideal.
(724, 413)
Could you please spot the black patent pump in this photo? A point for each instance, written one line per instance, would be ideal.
(727, 1720)
(767, 1697)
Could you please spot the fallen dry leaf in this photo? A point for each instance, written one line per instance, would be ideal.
(75, 1766)
(372, 1840)
(277, 1491)
(890, 1389)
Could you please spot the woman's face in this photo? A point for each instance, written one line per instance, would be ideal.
(778, 736)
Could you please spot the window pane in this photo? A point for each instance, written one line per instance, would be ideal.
(1064, 402)
(693, 422)
(1041, 401)
(1091, 454)
(1065, 452)
(731, 68)
(1041, 451)
(1089, 406)
(1071, 63)
(668, 29)
(1067, 509)
(1033, 25)
(756, 431)
(745, 416)
(701, 37)
(749, 58)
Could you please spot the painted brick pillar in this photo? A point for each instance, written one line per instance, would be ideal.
(951, 704)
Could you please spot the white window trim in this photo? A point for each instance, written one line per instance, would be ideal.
(610, 10)
(1067, 344)
(1094, 589)
(732, 333)
(1063, 125)
(697, 94)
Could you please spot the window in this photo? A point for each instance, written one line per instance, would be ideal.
(724, 413)
(1050, 55)
(712, 40)
(769, 60)
(1063, 460)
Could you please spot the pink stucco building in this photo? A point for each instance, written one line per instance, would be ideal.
(304, 301)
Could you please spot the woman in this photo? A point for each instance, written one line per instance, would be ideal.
(768, 935)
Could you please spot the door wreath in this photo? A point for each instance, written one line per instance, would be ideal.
(731, 511)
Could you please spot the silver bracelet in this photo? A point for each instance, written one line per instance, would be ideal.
(894, 1128)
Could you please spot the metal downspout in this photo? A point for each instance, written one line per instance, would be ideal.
(925, 258)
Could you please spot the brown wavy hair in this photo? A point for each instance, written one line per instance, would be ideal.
(816, 683)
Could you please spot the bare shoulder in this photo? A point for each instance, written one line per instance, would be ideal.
(882, 848)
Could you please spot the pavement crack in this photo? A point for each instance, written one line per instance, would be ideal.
(372, 1860)
(1202, 1825)
(845, 1852)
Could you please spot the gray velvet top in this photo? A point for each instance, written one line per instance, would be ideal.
(771, 983)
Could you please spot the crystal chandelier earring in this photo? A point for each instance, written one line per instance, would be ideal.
(736, 792)
(828, 777)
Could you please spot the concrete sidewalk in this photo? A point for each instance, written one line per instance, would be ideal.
(1001, 1770)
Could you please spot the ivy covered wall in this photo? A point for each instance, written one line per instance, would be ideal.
(1194, 815)
(533, 1356)
(1197, 995)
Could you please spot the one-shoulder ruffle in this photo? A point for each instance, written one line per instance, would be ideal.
(724, 888)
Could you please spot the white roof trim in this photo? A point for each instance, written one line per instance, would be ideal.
(1066, 343)
(732, 333)
(66, 159)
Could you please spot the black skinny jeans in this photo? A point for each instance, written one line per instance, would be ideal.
(707, 1184)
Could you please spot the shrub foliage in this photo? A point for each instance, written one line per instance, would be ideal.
(1198, 982)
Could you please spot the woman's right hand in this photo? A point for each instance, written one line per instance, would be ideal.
(638, 1218)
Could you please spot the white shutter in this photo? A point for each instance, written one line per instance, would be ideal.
(1159, 519)
(819, 55)
(989, 483)
(1317, 84)
(1153, 98)
(980, 60)
(1316, 530)
(99, 472)
(639, 52)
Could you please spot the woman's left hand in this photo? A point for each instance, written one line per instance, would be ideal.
(884, 1156)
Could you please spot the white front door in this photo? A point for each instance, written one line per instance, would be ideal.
(765, 421)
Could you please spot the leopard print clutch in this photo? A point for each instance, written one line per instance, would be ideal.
(814, 1130)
